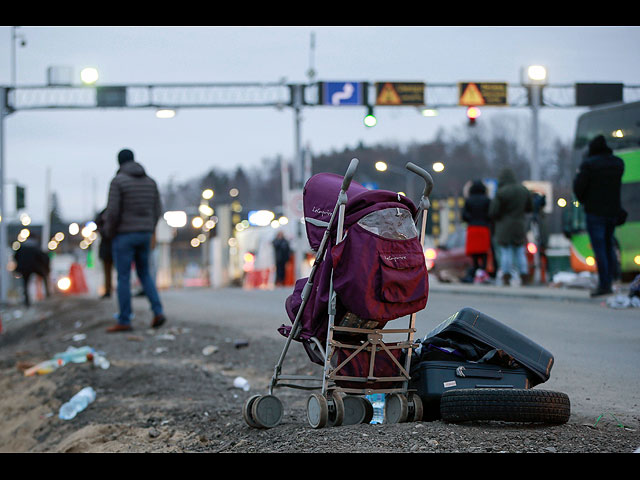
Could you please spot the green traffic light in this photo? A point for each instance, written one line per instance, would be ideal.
(370, 119)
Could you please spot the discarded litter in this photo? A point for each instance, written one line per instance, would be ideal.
(100, 361)
(42, 368)
(580, 280)
(166, 336)
(241, 382)
(209, 349)
(612, 416)
(70, 355)
(77, 403)
(75, 355)
(623, 301)
(241, 343)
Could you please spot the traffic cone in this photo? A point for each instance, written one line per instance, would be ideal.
(78, 282)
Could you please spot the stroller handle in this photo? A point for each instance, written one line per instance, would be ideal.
(351, 171)
(424, 174)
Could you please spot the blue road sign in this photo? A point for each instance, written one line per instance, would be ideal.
(342, 93)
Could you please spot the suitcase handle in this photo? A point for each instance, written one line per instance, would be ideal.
(478, 372)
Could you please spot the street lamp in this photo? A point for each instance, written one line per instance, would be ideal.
(89, 75)
(438, 167)
(536, 79)
(381, 166)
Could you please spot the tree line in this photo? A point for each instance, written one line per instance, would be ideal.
(467, 153)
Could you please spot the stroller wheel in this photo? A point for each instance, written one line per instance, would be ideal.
(415, 408)
(267, 411)
(336, 409)
(396, 408)
(355, 410)
(317, 410)
(246, 412)
(368, 408)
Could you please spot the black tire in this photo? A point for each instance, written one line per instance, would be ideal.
(507, 405)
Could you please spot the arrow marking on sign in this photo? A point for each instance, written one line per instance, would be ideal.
(346, 93)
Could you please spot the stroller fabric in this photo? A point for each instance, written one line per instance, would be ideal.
(378, 270)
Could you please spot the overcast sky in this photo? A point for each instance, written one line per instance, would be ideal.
(80, 146)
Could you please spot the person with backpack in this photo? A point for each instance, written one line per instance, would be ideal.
(508, 210)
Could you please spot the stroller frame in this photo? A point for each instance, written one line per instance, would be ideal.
(337, 405)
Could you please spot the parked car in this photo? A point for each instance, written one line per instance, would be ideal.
(450, 263)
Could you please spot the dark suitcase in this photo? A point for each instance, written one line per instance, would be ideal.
(472, 350)
(499, 340)
(430, 379)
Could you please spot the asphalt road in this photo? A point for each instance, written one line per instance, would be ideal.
(596, 348)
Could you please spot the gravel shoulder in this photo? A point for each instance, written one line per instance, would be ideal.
(166, 392)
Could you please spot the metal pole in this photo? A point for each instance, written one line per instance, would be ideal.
(4, 277)
(535, 105)
(299, 162)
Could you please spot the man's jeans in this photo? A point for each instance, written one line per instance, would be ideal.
(601, 235)
(128, 248)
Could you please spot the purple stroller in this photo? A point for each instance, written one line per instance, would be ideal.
(369, 269)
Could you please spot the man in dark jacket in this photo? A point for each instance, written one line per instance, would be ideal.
(597, 186)
(508, 210)
(133, 209)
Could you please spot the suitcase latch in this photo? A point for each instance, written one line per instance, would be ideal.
(460, 371)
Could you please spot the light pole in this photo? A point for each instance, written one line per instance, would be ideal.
(15, 36)
(536, 79)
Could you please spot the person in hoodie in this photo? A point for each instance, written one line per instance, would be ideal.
(133, 209)
(508, 209)
(476, 213)
(597, 186)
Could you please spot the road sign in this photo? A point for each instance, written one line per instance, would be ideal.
(400, 93)
(482, 93)
(341, 93)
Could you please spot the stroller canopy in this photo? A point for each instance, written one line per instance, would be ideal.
(319, 198)
(321, 194)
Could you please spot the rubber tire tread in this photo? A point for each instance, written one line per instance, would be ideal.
(508, 405)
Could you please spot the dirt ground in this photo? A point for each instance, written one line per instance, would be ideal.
(165, 391)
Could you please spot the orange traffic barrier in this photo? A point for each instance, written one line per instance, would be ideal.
(78, 282)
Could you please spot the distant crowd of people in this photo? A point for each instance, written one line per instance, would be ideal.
(500, 224)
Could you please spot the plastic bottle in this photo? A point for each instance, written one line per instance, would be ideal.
(377, 401)
(42, 368)
(75, 355)
(77, 403)
(100, 361)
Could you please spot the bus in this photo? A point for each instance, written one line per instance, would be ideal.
(620, 125)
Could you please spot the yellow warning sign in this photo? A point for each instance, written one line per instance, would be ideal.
(400, 93)
(388, 95)
(471, 96)
(476, 93)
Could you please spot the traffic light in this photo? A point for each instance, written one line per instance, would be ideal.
(20, 203)
(472, 114)
(370, 119)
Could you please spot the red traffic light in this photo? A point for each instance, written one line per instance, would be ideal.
(472, 114)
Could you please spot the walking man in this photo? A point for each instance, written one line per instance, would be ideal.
(133, 209)
(597, 186)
